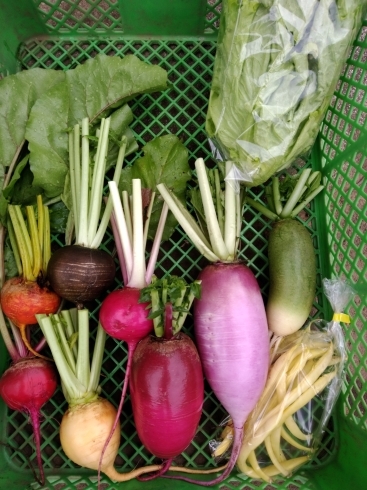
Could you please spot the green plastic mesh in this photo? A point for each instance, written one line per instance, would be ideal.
(343, 158)
(83, 17)
(182, 111)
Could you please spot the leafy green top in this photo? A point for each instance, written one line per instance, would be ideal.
(174, 290)
(94, 89)
(165, 160)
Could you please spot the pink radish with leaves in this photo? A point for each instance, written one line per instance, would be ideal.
(230, 323)
(121, 314)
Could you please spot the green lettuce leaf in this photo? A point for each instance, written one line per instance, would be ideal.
(94, 89)
(165, 160)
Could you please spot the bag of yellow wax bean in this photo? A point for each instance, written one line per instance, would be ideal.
(291, 423)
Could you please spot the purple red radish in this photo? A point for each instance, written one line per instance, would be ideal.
(166, 384)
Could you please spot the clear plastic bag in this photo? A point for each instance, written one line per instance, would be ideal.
(276, 67)
(285, 429)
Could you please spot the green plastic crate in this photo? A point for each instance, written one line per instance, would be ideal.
(180, 36)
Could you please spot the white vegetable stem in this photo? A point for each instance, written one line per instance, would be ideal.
(97, 184)
(156, 243)
(137, 279)
(220, 248)
(215, 235)
(188, 223)
(130, 235)
(230, 224)
(121, 227)
(84, 187)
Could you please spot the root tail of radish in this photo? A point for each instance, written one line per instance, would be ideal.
(237, 442)
(157, 474)
(35, 421)
(131, 348)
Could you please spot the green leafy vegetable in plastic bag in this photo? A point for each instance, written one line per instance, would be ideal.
(275, 71)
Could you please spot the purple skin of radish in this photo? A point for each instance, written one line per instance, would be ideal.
(167, 384)
(26, 386)
(124, 318)
(232, 336)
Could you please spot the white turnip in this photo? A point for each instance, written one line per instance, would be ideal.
(90, 419)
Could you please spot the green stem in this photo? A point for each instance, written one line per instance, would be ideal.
(35, 243)
(72, 385)
(97, 185)
(230, 228)
(261, 208)
(82, 237)
(137, 279)
(23, 241)
(24, 232)
(54, 200)
(127, 212)
(219, 206)
(14, 354)
(14, 246)
(69, 329)
(82, 365)
(69, 229)
(40, 221)
(46, 238)
(188, 223)
(72, 180)
(147, 221)
(239, 201)
(216, 239)
(76, 204)
(109, 205)
(183, 315)
(304, 203)
(276, 196)
(296, 193)
(96, 366)
(157, 321)
(270, 198)
(64, 343)
(156, 244)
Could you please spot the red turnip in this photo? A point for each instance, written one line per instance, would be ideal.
(26, 386)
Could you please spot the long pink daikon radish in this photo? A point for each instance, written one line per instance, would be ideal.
(230, 322)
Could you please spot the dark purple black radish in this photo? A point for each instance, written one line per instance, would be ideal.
(82, 272)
